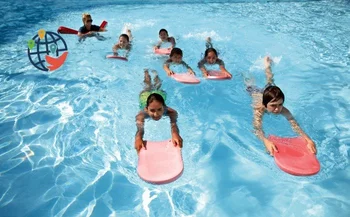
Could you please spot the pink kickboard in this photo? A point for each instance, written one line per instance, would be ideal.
(163, 51)
(116, 57)
(293, 156)
(217, 75)
(185, 78)
(160, 162)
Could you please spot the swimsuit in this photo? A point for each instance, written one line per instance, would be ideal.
(84, 30)
(204, 61)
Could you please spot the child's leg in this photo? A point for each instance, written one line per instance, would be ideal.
(268, 72)
(156, 81)
(128, 32)
(147, 81)
(208, 43)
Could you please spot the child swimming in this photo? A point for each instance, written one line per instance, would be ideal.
(152, 104)
(124, 43)
(270, 100)
(211, 57)
(176, 58)
(164, 37)
(88, 29)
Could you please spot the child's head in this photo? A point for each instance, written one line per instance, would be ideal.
(87, 20)
(176, 55)
(123, 40)
(163, 34)
(211, 55)
(155, 106)
(273, 99)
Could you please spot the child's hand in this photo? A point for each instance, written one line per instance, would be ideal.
(228, 74)
(170, 73)
(192, 72)
(311, 146)
(270, 147)
(177, 140)
(138, 145)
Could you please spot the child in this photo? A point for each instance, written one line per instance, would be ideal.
(88, 29)
(211, 57)
(123, 43)
(152, 103)
(176, 57)
(271, 100)
(164, 37)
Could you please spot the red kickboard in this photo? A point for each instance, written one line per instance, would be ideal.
(160, 162)
(217, 75)
(116, 57)
(163, 51)
(186, 78)
(293, 156)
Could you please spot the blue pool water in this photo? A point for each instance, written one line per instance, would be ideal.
(66, 137)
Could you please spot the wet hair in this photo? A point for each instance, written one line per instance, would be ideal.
(85, 17)
(207, 51)
(125, 36)
(175, 50)
(155, 97)
(272, 94)
(163, 30)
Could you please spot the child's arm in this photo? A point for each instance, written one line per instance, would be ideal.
(128, 49)
(188, 67)
(115, 49)
(222, 67)
(172, 41)
(257, 122)
(202, 67)
(157, 46)
(140, 120)
(176, 138)
(166, 67)
(295, 126)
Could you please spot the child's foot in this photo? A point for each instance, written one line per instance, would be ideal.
(208, 40)
(248, 79)
(267, 62)
(208, 43)
(154, 72)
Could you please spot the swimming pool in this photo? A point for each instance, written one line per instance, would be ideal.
(66, 141)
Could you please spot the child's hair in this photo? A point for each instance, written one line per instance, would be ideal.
(125, 36)
(175, 50)
(85, 17)
(210, 50)
(155, 97)
(272, 94)
(163, 30)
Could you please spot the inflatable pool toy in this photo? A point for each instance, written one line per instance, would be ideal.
(160, 162)
(293, 156)
(66, 30)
